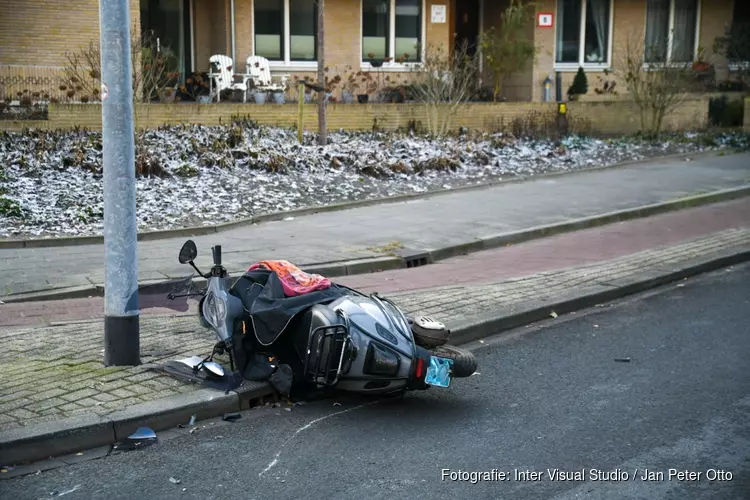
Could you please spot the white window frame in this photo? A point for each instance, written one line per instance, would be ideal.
(394, 66)
(587, 66)
(670, 38)
(287, 64)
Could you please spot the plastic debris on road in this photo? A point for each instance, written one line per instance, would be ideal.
(142, 437)
(174, 480)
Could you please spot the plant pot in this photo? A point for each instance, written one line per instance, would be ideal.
(308, 97)
(279, 97)
(328, 97)
(362, 98)
(347, 97)
(204, 99)
(260, 97)
(376, 63)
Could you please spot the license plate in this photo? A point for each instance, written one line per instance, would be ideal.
(439, 372)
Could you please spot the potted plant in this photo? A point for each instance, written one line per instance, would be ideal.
(259, 96)
(349, 86)
(370, 87)
(279, 95)
(330, 85)
(580, 85)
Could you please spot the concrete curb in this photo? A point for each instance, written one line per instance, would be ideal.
(61, 437)
(218, 228)
(483, 326)
(76, 434)
(413, 257)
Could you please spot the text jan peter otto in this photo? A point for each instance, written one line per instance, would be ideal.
(587, 475)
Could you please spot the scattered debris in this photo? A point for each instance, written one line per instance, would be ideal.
(481, 341)
(596, 326)
(62, 493)
(194, 429)
(231, 417)
(174, 480)
(475, 373)
(336, 404)
(623, 360)
(553, 314)
(79, 454)
(288, 409)
(142, 437)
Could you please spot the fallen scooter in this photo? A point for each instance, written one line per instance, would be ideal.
(331, 337)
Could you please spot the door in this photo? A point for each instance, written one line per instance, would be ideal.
(169, 23)
(467, 24)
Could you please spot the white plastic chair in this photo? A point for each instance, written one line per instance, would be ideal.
(259, 71)
(222, 77)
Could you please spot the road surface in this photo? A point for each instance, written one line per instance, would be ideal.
(547, 397)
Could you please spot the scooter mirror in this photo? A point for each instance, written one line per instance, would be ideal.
(214, 368)
(188, 252)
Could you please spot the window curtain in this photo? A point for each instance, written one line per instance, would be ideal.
(597, 31)
(657, 27)
(685, 19)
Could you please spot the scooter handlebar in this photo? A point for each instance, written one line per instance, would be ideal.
(217, 255)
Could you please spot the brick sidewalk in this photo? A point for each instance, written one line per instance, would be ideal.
(52, 372)
(557, 252)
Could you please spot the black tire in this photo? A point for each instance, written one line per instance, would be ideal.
(464, 362)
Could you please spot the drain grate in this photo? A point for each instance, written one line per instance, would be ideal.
(415, 257)
(416, 261)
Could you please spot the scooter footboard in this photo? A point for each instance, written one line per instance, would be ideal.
(326, 349)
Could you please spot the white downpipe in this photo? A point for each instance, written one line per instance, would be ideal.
(234, 45)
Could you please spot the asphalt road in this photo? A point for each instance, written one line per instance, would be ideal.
(551, 398)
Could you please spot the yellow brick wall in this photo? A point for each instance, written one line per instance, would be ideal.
(613, 117)
(36, 34)
(629, 21)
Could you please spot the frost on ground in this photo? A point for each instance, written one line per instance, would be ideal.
(51, 182)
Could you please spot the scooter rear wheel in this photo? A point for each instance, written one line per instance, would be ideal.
(464, 362)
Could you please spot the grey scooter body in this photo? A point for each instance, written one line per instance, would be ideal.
(357, 343)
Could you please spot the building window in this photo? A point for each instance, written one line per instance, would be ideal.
(671, 30)
(391, 29)
(286, 30)
(583, 32)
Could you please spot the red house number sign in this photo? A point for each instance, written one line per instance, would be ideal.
(544, 19)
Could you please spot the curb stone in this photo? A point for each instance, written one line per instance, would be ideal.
(406, 258)
(276, 216)
(61, 437)
(86, 432)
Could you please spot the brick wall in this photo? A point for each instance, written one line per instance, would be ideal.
(629, 21)
(36, 34)
(608, 117)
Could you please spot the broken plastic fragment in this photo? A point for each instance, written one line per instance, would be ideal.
(231, 417)
(623, 360)
(143, 433)
(174, 480)
(553, 314)
(336, 404)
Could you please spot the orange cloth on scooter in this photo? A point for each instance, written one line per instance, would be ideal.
(294, 281)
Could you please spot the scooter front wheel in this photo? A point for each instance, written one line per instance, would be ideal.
(464, 362)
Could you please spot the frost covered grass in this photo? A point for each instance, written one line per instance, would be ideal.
(51, 182)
